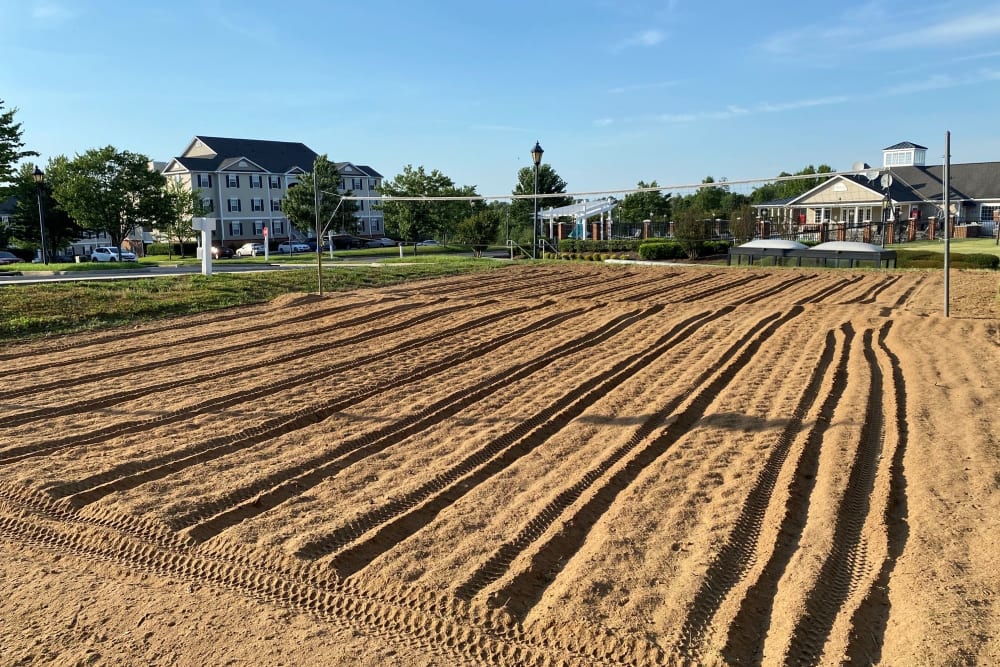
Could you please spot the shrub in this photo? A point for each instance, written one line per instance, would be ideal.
(661, 250)
(189, 249)
(977, 260)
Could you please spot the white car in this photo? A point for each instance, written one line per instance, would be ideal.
(293, 247)
(109, 253)
(429, 242)
(250, 250)
(383, 243)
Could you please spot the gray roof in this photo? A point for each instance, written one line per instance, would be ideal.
(368, 171)
(904, 144)
(974, 180)
(277, 157)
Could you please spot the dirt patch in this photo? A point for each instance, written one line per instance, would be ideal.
(555, 464)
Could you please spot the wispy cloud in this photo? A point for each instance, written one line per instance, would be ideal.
(51, 11)
(645, 38)
(943, 81)
(954, 31)
(641, 87)
(603, 122)
(878, 28)
(733, 111)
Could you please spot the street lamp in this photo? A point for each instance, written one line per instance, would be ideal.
(39, 177)
(536, 157)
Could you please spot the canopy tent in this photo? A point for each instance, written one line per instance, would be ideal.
(580, 211)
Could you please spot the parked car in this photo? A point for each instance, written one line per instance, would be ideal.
(250, 250)
(222, 252)
(383, 243)
(110, 253)
(346, 242)
(429, 242)
(9, 258)
(293, 246)
(55, 259)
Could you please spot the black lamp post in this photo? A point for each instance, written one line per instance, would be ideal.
(39, 177)
(536, 157)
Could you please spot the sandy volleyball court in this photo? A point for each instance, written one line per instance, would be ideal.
(548, 465)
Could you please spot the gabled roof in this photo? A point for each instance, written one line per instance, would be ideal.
(231, 162)
(368, 171)
(276, 157)
(904, 144)
(860, 181)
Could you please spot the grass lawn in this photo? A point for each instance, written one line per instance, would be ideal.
(963, 246)
(30, 310)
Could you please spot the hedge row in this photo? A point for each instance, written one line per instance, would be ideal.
(190, 249)
(590, 245)
(674, 250)
(586, 256)
(926, 259)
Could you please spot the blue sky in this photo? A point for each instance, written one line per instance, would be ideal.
(615, 91)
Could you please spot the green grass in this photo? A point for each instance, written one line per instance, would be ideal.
(54, 308)
(963, 246)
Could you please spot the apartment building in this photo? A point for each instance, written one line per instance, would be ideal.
(363, 181)
(242, 183)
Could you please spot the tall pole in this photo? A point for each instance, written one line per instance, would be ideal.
(947, 221)
(39, 177)
(319, 240)
(534, 225)
(536, 157)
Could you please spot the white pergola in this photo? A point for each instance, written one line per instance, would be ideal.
(581, 212)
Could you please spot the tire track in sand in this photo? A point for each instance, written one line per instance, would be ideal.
(137, 473)
(417, 509)
(847, 562)
(872, 616)
(265, 389)
(159, 366)
(745, 640)
(737, 556)
(428, 623)
(525, 588)
(283, 485)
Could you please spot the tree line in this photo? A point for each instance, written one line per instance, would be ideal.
(112, 191)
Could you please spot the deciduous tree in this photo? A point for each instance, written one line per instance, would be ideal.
(522, 210)
(650, 204)
(415, 220)
(110, 191)
(180, 206)
(479, 229)
(299, 204)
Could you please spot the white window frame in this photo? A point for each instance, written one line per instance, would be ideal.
(204, 180)
(275, 205)
(259, 181)
(232, 180)
(258, 227)
(257, 205)
(208, 204)
(274, 181)
(234, 205)
(235, 228)
(278, 227)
